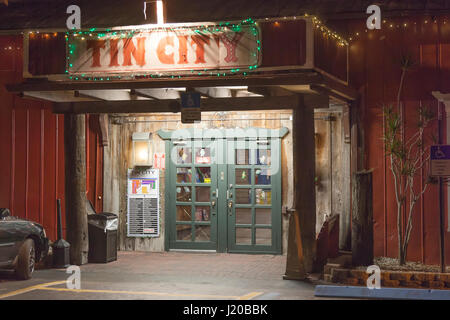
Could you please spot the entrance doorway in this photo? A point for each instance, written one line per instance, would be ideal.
(223, 190)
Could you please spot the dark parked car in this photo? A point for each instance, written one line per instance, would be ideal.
(22, 244)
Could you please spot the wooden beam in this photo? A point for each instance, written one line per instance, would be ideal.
(104, 126)
(172, 105)
(331, 94)
(55, 96)
(305, 77)
(157, 94)
(214, 92)
(340, 89)
(270, 91)
(310, 97)
(106, 95)
(75, 187)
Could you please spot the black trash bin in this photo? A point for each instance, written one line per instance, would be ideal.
(102, 237)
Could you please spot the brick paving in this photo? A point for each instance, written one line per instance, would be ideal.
(172, 275)
(220, 265)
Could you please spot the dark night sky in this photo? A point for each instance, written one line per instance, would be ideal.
(22, 14)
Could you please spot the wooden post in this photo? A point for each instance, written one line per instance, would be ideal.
(362, 219)
(304, 162)
(345, 232)
(295, 269)
(75, 187)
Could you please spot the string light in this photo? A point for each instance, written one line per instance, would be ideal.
(401, 25)
(204, 29)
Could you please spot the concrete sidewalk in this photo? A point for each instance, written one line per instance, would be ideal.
(168, 275)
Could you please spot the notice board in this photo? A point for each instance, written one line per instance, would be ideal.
(143, 214)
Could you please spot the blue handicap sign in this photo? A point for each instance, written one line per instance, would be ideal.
(190, 100)
(440, 152)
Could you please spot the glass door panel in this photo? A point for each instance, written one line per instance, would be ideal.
(195, 189)
(252, 198)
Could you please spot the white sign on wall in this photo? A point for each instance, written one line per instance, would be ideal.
(143, 203)
(440, 160)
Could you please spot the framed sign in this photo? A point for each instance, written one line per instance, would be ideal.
(440, 160)
(143, 217)
(190, 107)
(163, 50)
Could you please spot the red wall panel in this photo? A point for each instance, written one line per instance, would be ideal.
(375, 72)
(32, 149)
(329, 56)
(5, 144)
(283, 43)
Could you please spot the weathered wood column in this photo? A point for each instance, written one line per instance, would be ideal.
(362, 219)
(75, 187)
(304, 160)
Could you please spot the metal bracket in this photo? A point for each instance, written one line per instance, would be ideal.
(287, 211)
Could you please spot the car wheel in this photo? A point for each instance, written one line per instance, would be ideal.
(26, 260)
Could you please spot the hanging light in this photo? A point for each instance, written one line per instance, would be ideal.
(142, 149)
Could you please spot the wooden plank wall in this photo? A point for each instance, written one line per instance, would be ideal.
(32, 149)
(118, 159)
(329, 56)
(375, 72)
(332, 169)
(283, 43)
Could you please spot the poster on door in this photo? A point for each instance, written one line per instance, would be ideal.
(159, 161)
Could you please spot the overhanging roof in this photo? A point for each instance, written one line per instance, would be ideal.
(262, 92)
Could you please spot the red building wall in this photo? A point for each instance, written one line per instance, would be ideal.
(32, 149)
(375, 73)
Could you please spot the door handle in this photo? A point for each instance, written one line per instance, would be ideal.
(213, 207)
(230, 208)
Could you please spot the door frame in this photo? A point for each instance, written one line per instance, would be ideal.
(225, 135)
(173, 202)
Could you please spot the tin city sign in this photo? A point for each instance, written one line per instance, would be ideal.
(164, 50)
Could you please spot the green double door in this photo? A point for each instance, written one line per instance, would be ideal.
(224, 195)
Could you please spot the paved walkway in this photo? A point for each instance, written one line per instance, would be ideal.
(168, 275)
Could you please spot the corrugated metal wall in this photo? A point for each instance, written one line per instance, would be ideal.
(375, 72)
(32, 149)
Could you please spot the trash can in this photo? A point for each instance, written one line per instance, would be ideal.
(102, 229)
